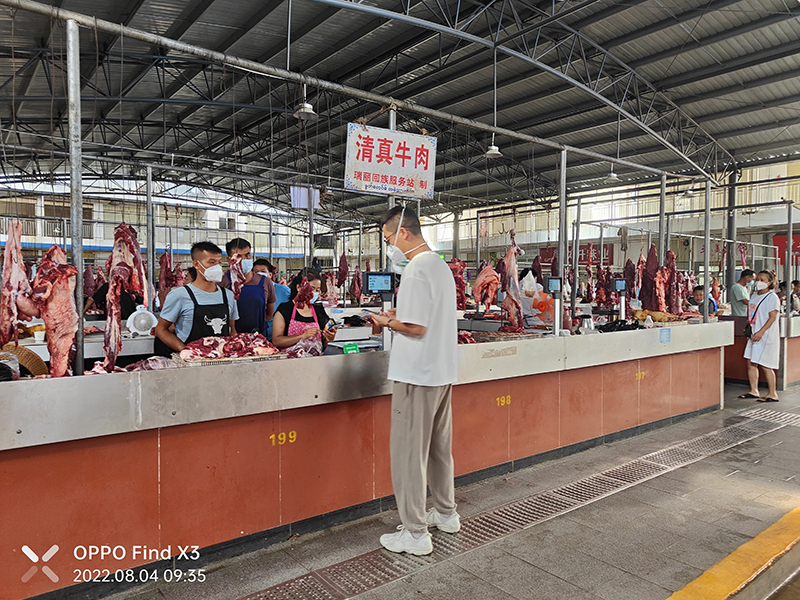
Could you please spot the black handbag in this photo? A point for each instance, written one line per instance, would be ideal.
(748, 329)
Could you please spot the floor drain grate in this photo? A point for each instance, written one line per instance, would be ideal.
(369, 571)
(591, 488)
(541, 507)
(673, 457)
(774, 416)
(307, 587)
(635, 471)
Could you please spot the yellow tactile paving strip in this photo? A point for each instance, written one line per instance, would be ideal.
(745, 563)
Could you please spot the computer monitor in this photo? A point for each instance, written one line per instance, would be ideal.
(620, 285)
(554, 285)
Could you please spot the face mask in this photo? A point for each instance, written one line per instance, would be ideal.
(247, 265)
(398, 258)
(213, 274)
(761, 285)
(749, 284)
(315, 297)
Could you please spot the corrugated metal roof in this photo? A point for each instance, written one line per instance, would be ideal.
(395, 59)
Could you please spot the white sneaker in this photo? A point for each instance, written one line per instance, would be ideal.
(446, 523)
(405, 541)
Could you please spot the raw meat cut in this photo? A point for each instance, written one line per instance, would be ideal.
(100, 280)
(630, 283)
(465, 337)
(674, 300)
(716, 292)
(512, 303)
(571, 277)
(331, 298)
(166, 278)
(608, 287)
(89, 287)
(367, 266)
(485, 288)
(660, 296)
(640, 271)
(236, 273)
(28, 269)
(235, 346)
(511, 329)
(125, 272)
(15, 297)
(99, 369)
(53, 290)
(91, 329)
(154, 363)
(457, 267)
(648, 292)
(554, 266)
(502, 272)
(356, 286)
(344, 269)
(304, 294)
(590, 276)
(180, 276)
(537, 266)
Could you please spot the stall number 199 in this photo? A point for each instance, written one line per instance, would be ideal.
(503, 400)
(283, 437)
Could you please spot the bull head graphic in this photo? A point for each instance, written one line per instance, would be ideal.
(216, 324)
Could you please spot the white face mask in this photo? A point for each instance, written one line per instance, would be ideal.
(213, 274)
(761, 285)
(394, 254)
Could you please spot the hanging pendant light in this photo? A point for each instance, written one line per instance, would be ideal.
(493, 151)
(613, 177)
(305, 112)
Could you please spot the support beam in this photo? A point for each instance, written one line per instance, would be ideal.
(730, 273)
(76, 185)
(787, 267)
(151, 235)
(562, 218)
(576, 245)
(456, 232)
(662, 207)
(707, 252)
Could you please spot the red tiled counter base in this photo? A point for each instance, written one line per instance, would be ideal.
(206, 483)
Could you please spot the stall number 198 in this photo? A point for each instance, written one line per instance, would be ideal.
(503, 400)
(283, 437)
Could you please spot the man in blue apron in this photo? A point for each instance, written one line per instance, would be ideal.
(199, 309)
(256, 301)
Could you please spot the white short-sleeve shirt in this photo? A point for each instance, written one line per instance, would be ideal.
(427, 297)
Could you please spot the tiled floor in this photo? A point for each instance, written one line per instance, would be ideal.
(641, 543)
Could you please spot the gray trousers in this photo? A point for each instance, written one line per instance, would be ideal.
(421, 448)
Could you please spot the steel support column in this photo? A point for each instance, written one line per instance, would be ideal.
(730, 273)
(76, 185)
(707, 252)
(456, 228)
(576, 245)
(562, 217)
(787, 267)
(662, 207)
(150, 235)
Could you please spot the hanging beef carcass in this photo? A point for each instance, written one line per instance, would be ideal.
(589, 276)
(648, 292)
(331, 297)
(236, 273)
(674, 300)
(609, 295)
(457, 267)
(356, 286)
(716, 291)
(53, 290)
(15, 297)
(512, 303)
(660, 295)
(125, 272)
(344, 269)
(166, 277)
(89, 286)
(367, 266)
(555, 270)
(485, 288)
(180, 276)
(629, 272)
(100, 280)
(537, 267)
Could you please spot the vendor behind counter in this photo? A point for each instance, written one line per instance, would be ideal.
(303, 326)
(128, 303)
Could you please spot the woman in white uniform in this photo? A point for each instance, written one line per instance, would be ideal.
(763, 347)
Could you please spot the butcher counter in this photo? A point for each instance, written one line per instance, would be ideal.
(233, 457)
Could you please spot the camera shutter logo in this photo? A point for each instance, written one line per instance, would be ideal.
(35, 559)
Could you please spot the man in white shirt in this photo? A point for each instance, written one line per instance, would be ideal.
(423, 365)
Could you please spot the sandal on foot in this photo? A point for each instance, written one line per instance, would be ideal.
(749, 395)
(768, 400)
